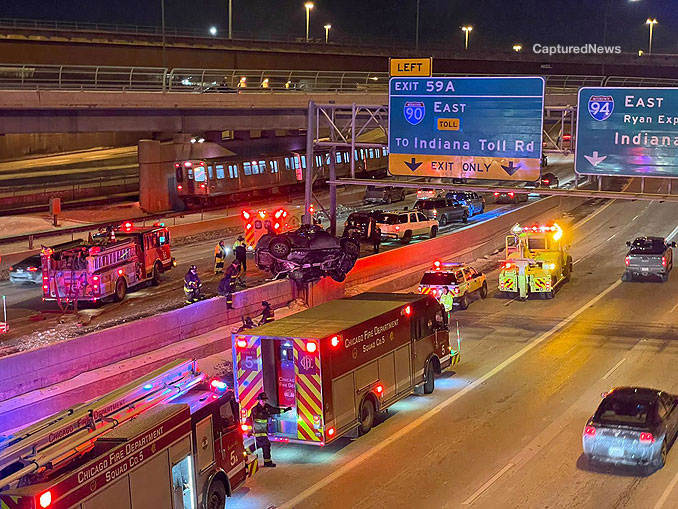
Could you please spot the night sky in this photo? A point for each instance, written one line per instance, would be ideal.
(496, 24)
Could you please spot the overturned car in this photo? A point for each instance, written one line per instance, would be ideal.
(306, 255)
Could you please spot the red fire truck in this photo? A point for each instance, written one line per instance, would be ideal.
(108, 265)
(339, 364)
(170, 440)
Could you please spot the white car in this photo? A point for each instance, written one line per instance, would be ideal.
(406, 224)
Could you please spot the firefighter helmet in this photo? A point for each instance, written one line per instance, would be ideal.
(262, 396)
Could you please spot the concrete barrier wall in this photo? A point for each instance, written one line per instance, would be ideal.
(42, 367)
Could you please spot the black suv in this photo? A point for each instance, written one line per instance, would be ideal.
(307, 254)
(357, 224)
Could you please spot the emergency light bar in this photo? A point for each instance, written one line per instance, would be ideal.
(438, 264)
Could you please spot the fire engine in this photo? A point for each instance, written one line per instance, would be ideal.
(537, 261)
(259, 223)
(169, 440)
(108, 265)
(340, 363)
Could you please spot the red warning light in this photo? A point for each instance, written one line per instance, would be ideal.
(244, 427)
(262, 214)
(330, 432)
(408, 310)
(180, 187)
(119, 272)
(188, 164)
(379, 389)
(436, 264)
(334, 341)
(246, 215)
(241, 343)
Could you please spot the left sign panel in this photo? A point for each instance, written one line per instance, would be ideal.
(480, 128)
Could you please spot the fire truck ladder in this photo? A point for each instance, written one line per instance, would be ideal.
(58, 438)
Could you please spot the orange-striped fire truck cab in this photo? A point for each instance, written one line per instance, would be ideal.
(341, 363)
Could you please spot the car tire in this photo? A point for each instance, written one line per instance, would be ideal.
(434, 231)
(483, 290)
(443, 220)
(338, 276)
(407, 237)
(430, 383)
(661, 460)
(367, 414)
(297, 275)
(350, 247)
(157, 270)
(464, 218)
(387, 201)
(279, 248)
(216, 495)
(567, 271)
(402, 196)
(463, 301)
(120, 289)
(665, 277)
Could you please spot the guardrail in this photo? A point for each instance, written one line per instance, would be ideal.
(160, 79)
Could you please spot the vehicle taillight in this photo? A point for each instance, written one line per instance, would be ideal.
(311, 347)
(180, 187)
(589, 431)
(435, 213)
(646, 438)
(334, 341)
(663, 261)
(177, 165)
(496, 194)
(397, 228)
(203, 186)
(330, 432)
(46, 499)
(188, 164)
(32, 269)
(241, 343)
(379, 389)
(545, 181)
(512, 194)
(628, 261)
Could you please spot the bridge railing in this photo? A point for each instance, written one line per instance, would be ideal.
(159, 79)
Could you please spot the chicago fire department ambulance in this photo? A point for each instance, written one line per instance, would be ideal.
(170, 440)
(339, 364)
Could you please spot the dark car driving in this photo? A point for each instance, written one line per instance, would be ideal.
(509, 197)
(632, 426)
(443, 209)
(374, 194)
(649, 257)
(27, 270)
(307, 254)
(472, 200)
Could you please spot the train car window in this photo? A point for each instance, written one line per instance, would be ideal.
(384, 150)
(274, 166)
(356, 155)
(287, 163)
(190, 174)
(362, 154)
(220, 171)
(262, 166)
(180, 174)
(318, 161)
(247, 168)
(303, 163)
(210, 175)
(199, 173)
(338, 157)
(371, 154)
(346, 157)
(163, 236)
(255, 168)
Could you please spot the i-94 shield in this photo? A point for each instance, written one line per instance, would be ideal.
(601, 107)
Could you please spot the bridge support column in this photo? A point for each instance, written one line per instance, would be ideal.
(157, 181)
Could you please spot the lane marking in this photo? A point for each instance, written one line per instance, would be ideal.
(591, 216)
(667, 492)
(674, 308)
(635, 217)
(509, 302)
(613, 368)
(577, 260)
(487, 485)
(613, 236)
(672, 234)
(358, 460)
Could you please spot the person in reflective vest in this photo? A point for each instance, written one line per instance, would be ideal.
(267, 314)
(260, 415)
(192, 285)
(240, 252)
(447, 301)
(219, 257)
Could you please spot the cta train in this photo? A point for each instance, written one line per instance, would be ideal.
(232, 179)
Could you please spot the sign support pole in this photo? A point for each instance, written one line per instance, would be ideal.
(308, 189)
(670, 182)
(353, 156)
(333, 191)
(642, 184)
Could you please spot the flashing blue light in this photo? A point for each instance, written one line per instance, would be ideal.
(219, 385)
(148, 387)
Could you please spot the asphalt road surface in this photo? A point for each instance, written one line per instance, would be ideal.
(504, 430)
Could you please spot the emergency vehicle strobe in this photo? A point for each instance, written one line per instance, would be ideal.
(461, 279)
(106, 266)
(261, 222)
(340, 363)
(169, 440)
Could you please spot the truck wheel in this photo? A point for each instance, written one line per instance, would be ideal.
(367, 412)
(407, 237)
(434, 231)
(279, 248)
(157, 270)
(429, 385)
(463, 301)
(120, 290)
(567, 272)
(483, 290)
(216, 496)
(549, 295)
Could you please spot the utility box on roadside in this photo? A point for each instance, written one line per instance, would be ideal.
(55, 206)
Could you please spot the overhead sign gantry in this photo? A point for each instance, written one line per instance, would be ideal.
(474, 127)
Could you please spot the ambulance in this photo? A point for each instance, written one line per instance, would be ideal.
(340, 364)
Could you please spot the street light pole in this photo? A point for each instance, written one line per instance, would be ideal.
(230, 19)
(467, 31)
(327, 32)
(308, 6)
(416, 35)
(162, 15)
(651, 23)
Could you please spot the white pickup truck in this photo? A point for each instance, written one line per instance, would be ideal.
(404, 225)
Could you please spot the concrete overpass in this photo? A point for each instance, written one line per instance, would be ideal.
(43, 42)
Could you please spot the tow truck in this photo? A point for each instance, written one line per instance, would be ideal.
(537, 261)
(169, 440)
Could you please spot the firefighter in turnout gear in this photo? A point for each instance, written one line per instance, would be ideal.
(240, 252)
(260, 415)
(227, 284)
(192, 285)
(219, 257)
(267, 315)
